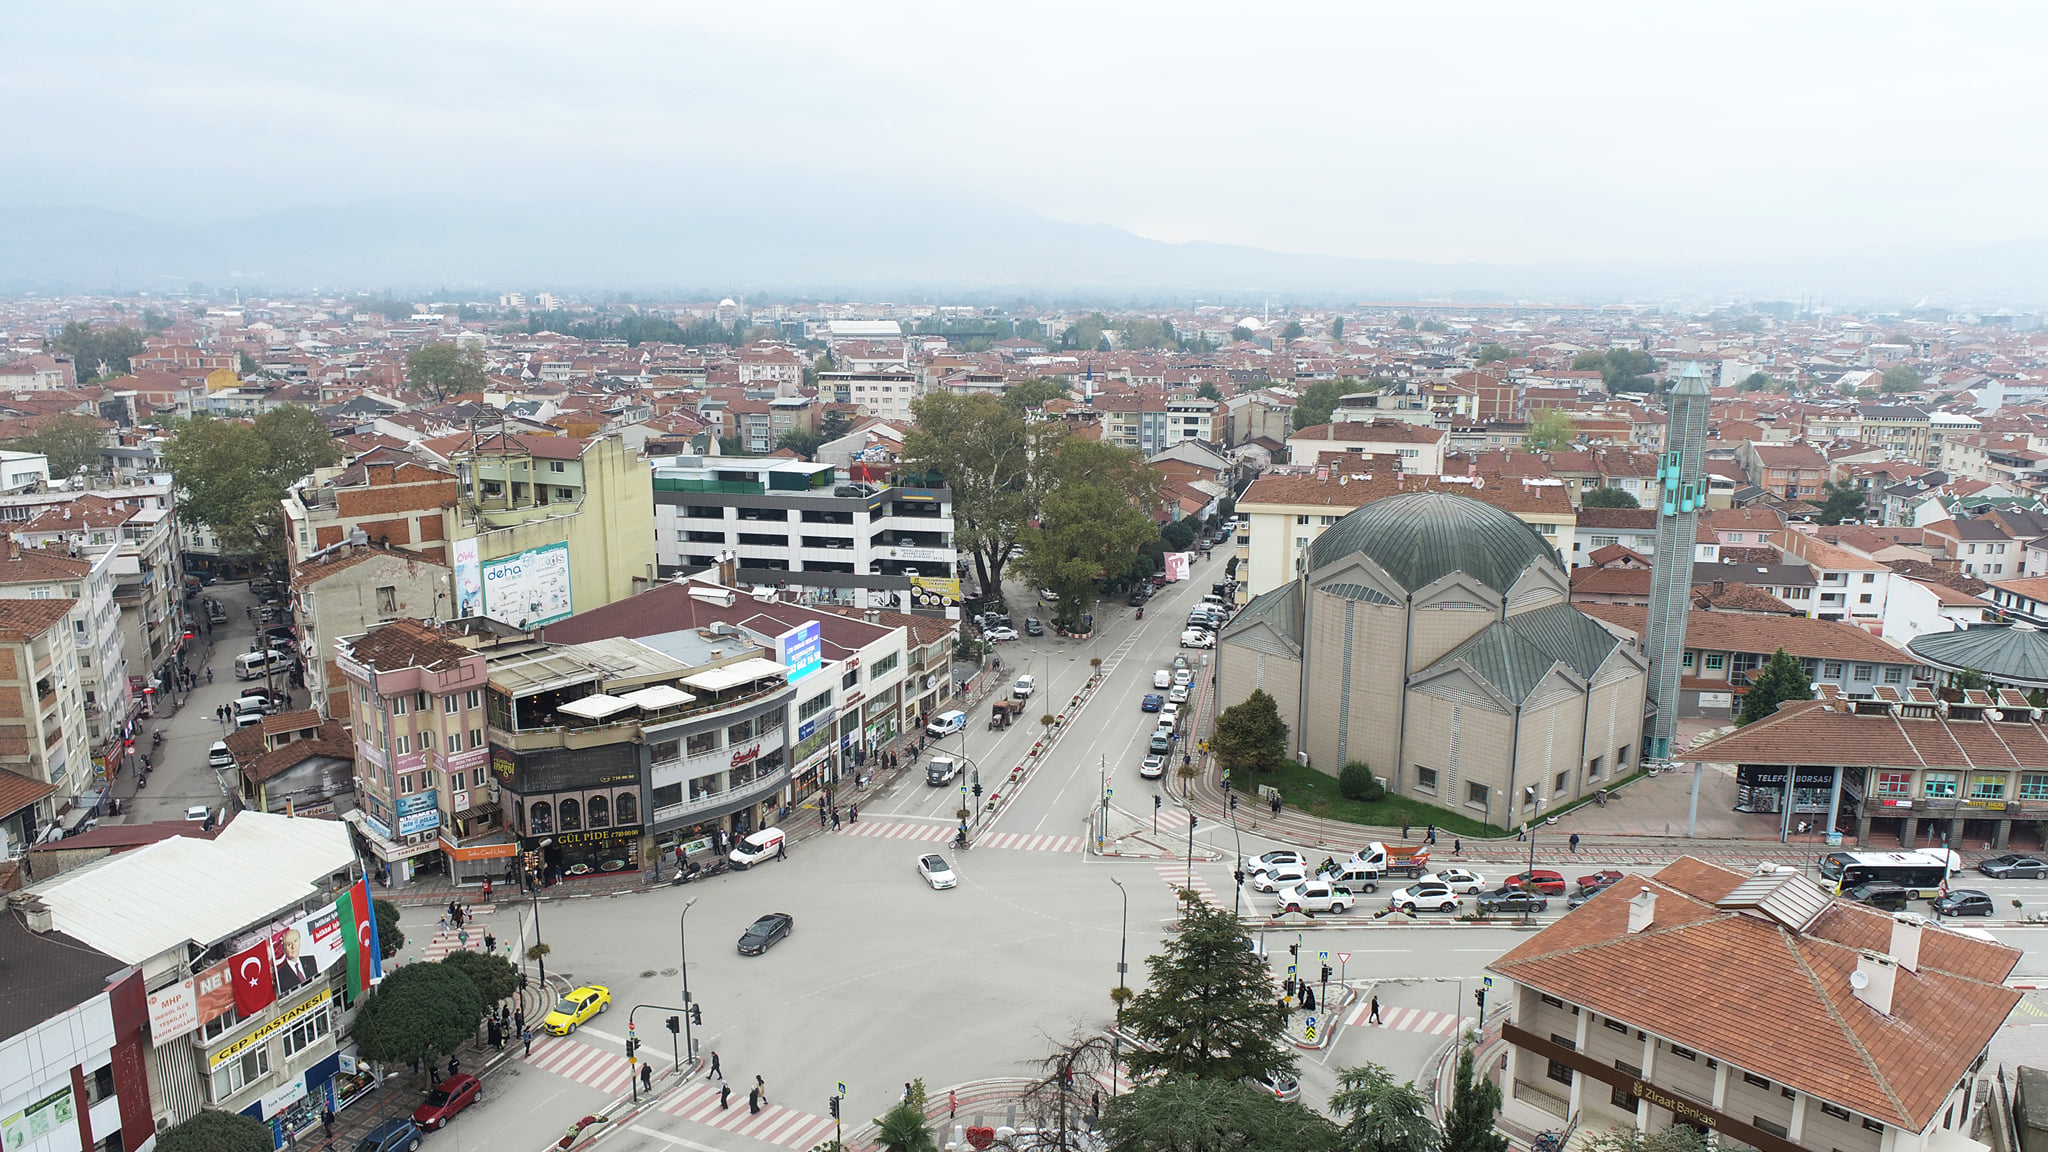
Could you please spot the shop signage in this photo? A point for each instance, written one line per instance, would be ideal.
(419, 812)
(852, 662)
(283, 1021)
(382, 829)
(173, 1011)
(1689, 1110)
(279, 1099)
(746, 755)
(475, 851)
(1894, 802)
(597, 836)
(852, 698)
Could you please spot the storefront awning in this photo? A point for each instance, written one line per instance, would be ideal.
(594, 707)
(655, 697)
(733, 675)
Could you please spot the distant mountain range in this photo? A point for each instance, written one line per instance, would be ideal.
(896, 246)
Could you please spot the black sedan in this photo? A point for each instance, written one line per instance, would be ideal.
(1512, 902)
(763, 934)
(2014, 865)
(1964, 902)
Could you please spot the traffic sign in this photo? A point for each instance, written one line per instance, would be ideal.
(1311, 1021)
(1109, 791)
(1323, 956)
(1290, 969)
(842, 1087)
(1486, 981)
(1343, 957)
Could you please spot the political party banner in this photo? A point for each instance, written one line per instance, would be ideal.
(215, 991)
(305, 948)
(173, 1011)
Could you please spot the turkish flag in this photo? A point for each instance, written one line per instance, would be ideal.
(255, 987)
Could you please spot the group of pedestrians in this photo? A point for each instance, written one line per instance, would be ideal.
(757, 1096)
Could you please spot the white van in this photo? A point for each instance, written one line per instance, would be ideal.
(751, 850)
(257, 665)
(946, 723)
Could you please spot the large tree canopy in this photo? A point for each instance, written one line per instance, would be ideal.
(419, 1012)
(97, 353)
(1210, 1010)
(1093, 519)
(997, 464)
(213, 1130)
(438, 371)
(1251, 735)
(231, 475)
(70, 441)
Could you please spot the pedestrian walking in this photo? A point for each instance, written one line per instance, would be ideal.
(952, 1105)
(209, 674)
(853, 813)
(1457, 846)
(454, 1066)
(782, 849)
(1276, 805)
(526, 1034)
(327, 1122)
(490, 942)
(835, 819)
(906, 1091)
(487, 889)
(713, 1074)
(496, 1034)
(1429, 835)
(824, 819)
(1374, 1017)
(463, 937)
(754, 1101)
(1522, 833)
(1404, 828)
(724, 1094)
(761, 1086)
(519, 1018)
(647, 1077)
(1575, 843)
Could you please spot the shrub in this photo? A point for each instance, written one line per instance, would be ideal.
(1356, 782)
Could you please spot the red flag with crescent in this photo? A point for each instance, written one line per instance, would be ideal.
(255, 987)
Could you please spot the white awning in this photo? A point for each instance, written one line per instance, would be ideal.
(733, 675)
(594, 707)
(655, 697)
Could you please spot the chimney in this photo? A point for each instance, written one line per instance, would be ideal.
(873, 615)
(38, 916)
(1642, 911)
(1720, 588)
(1906, 942)
(1872, 980)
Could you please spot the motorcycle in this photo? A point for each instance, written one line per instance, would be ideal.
(1141, 613)
(156, 738)
(687, 873)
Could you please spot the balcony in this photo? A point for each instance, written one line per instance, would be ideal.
(591, 733)
(759, 788)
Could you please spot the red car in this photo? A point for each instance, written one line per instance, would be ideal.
(1542, 880)
(448, 1097)
(1600, 879)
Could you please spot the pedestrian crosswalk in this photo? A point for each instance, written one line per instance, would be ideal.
(599, 1068)
(1411, 1019)
(774, 1124)
(1019, 841)
(1176, 878)
(469, 937)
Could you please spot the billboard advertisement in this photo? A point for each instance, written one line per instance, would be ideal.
(419, 812)
(800, 650)
(1176, 566)
(39, 1118)
(305, 948)
(530, 589)
(469, 580)
(934, 592)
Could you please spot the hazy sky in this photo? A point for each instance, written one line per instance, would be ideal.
(1497, 132)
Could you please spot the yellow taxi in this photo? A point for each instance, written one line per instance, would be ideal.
(576, 1008)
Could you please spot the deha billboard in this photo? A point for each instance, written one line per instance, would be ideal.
(529, 589)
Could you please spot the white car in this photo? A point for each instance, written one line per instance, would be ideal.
(1278, 876)
(1169, 716)
(1179, 695)
(936, 872)
(1197, 638)
(197, 813)
(1182, 677)
(1458, 880)
(1162, 679)
(1000, 635)
(1314, 896)
(1269, 859)
(1425, 896)
(218, 756)
(1024, 687)
(1153, 768)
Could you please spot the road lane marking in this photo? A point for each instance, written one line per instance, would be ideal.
(678, 1141)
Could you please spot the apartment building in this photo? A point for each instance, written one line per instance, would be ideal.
(1848, 585)
(1978, 545)
(885, 393)
(1803, 1058)
(137, 526)
(348, 589)
(1366, 407)
(394, 499)
(42, 714)
(1788, 470)
(794, 524)
(1901, 430)
(1419, 450)
(44, 574)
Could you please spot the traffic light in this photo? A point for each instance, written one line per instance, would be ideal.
(632, 1046)
(1326, 973)
(1192, 821)
(696, 1014)
(1238, 875)
(977, 789)
(834, 1105)
(1294, 950)
(1233, 800)
(675, 1024)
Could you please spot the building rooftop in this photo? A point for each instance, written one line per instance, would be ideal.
(1419, 538)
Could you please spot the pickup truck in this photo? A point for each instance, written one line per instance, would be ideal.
(1397, 861)
(1314, 896)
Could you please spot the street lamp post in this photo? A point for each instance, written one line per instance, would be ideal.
(683, 954)
(540, 958)
(1122, 949)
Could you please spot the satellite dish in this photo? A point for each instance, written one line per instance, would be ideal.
(1859, 980)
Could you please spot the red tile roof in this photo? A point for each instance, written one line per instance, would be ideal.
(1798, 635)
(18, 792)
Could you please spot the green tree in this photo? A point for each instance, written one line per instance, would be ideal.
(1183, 1115)
(215, 1130)
(98, 353)
(833, 426)
(1094, 516)
(231, 475)
(1405, 323)
(1317, 401)
(1209, 391)
(1844, 502)
(1242, 333)
(1475, 1102)
(1621, 369)
(1433, 326)
(1493, 352)
(1900, 378)
(438, 371)
(1670, 1138)
(997, 464)
(494, 976)
(1293, 331)
(420, 1011)
(1550, 429)
(1356, 782)
(1969, 680)
(245, 363)
(902, 1129)
(1337, 330)
(1210, 1010)
(1781, 678)
(1036, 392)
(1382, 1116)
(1088, 334)
(390, 937)
(154, 321)
(70, 441)
(1757, 382)
(801, 441)
(1608, 498)
(1178, 536)
(1251, 735)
